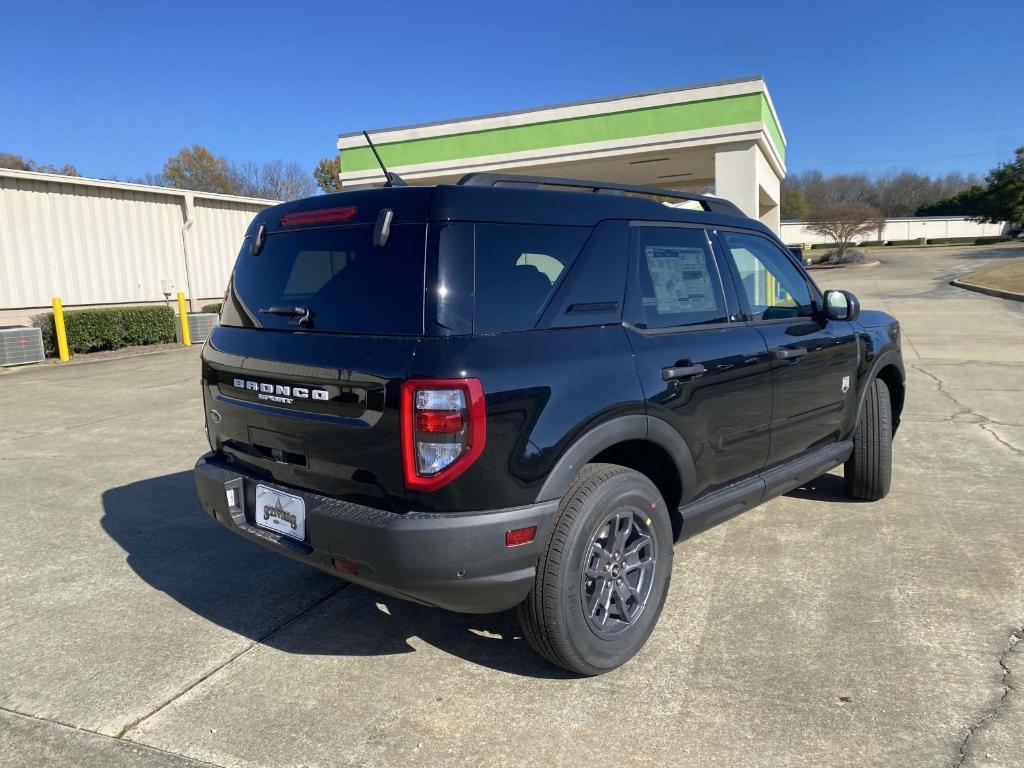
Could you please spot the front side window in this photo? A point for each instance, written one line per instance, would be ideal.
(773, 286)
(677, 281)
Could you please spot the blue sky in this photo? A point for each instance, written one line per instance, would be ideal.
(116, 88)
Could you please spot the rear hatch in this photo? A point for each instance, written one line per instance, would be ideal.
(319, 328)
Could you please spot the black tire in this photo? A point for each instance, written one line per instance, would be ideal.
(554, 618)
(868, 471)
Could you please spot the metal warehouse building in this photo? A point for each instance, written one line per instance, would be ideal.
(95, 242)
(725, 136)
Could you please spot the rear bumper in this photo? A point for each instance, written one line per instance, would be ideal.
(457, 561)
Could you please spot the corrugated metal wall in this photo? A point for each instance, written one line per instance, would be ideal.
(910, 228)
(95, 242)
(215, 239)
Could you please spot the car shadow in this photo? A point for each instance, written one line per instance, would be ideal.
(977, 253)
(827, 487)
(176, 548)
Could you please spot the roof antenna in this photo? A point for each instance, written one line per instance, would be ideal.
(393, 179)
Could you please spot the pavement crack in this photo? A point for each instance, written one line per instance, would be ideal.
(123, 734)
(136, 744)
(1000, 440)
(941, 386)
(964, 410)
(1007, 684)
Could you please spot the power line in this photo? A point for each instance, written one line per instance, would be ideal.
(910, 132)
(1001, 153)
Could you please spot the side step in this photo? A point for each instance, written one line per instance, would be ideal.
(728, 502)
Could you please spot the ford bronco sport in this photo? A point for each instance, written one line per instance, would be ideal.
(521, 392)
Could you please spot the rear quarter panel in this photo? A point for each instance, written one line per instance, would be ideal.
(543, 390)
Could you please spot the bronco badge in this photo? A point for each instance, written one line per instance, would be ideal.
(281, 393)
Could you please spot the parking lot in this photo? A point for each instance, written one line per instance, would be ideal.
(812, 631)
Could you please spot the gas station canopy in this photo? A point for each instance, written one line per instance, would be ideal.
(721, 137)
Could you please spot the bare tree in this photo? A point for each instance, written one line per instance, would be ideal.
(896, 193)
(276, 180)
(844, 223)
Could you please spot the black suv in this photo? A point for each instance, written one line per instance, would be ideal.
(521, 392)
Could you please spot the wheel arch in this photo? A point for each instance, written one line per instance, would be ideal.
(892, 377)
(646, 444)
(889, 368)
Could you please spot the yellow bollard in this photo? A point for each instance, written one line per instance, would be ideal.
(772, 289)
(62, 334)
(186, 337)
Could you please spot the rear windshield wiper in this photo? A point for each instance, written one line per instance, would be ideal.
(300, 315)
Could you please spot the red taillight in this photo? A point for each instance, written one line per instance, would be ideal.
(321, 216)
(444, 427)
(520, 536)
(439, 422)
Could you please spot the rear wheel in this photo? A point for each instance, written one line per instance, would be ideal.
(868, 471)
(602, 581)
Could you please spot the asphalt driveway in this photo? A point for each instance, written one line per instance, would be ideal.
(813, 631)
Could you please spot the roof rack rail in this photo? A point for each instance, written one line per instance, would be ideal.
(711, 204)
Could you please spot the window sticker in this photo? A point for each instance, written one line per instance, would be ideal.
(681, 279)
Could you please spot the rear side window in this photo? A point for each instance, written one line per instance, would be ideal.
(348, 285)
(517, 269)
(677, 280)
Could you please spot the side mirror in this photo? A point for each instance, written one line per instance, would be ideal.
(841, 305)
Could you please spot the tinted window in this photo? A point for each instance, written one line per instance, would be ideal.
(677, 281)
(773, 285)
(517, 269)
(349, 285)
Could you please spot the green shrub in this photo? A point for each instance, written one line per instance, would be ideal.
(949, 240)
(915, 241)
(44, 322)
(871, 243)
(818, 246)
(213, 309)
(991, 239)
(92, 330)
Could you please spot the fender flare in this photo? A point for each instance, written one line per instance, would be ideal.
(889, 357)
(607, 434)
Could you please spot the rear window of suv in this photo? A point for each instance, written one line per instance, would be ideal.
(348, 285)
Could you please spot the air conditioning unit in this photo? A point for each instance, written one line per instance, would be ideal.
(20, 344)
(200, 326)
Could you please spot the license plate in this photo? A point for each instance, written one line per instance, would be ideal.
(280, 512)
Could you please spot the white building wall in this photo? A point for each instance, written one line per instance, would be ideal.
(744, 176)
(216, 237)
(911, 228)
(95, 242)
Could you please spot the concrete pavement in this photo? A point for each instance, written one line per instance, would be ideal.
(812, 631)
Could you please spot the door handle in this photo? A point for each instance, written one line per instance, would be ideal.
(790, 353)
(682, 371)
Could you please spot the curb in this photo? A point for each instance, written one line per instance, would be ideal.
(82, 359)
(865, 265)
(1009, 295)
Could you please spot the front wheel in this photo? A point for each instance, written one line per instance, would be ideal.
(602, 582)
(868, 471)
